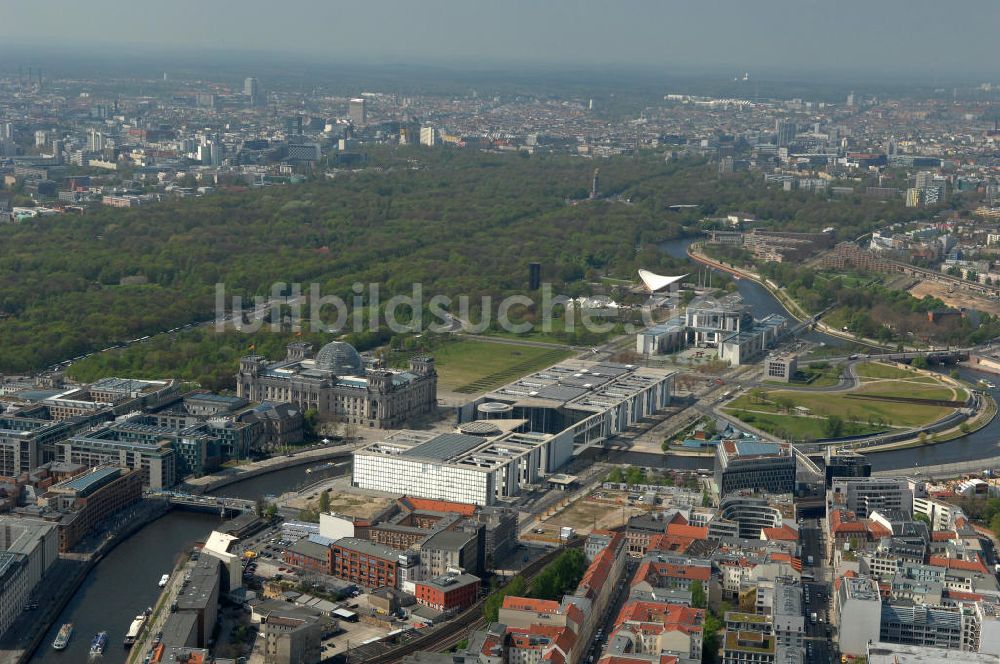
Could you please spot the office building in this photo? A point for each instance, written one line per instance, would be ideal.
(749, 639)
(292, 637)
(754, 465)
(293, 125)
(28, 548)
(450, 592)
(251, 90)
(336, 384)
(784, 133)
(84, 501)
(28, 436)
(114, 396)
(156, 461)
(920, 625)
(199, 596)
(450, 550)
(358, 112)
(787, 616)
(304, 152)
(365, 563)
(845, 464)
(859, 607)
(309, 555)
(896, 653)
(780, 367)
(428, 136)
(534, 276)
(754, 512)
(864, 495)
(593, 401)
(477, 469)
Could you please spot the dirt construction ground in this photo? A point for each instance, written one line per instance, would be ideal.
(585, 513)
(956, 299)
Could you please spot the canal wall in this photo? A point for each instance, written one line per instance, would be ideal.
(980, 363)
(210, 483)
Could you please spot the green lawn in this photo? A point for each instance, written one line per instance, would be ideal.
(868, 415)
(798, 428)
(906, 388)
(880, 370)
(477, 366)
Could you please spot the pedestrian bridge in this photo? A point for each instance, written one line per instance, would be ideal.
(224, 506)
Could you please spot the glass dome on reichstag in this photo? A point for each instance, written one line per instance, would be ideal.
(340, 358)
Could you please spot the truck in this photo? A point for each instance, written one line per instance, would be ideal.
(812, 617)
(809, 560)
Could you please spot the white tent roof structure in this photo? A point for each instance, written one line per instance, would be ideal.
(655, 282)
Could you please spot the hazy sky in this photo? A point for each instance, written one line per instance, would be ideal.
(762, 36)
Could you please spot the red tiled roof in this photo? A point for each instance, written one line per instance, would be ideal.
(653, 571)
(942, 535)
(670, 543)
(784, 533)
(430, 505)
(684, 530)
(530, 604)
(638, 659)
(843, 522)
(976, 565)
(575, 614)
(659, 616)
(597, 573)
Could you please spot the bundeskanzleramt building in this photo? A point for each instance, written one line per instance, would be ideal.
(756, 465)
(336, 384)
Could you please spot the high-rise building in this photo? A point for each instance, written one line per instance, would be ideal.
(428, 136)
(850, 99)
(57, 150)
(95, 141)
(358, 112)
(534, 276)
(293, 125)
(785, 132)
(754, 465)
(251, 90)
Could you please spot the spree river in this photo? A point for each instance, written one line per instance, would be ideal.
(125, 582)
(982, 444)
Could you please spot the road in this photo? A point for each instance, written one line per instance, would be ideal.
(819, 644)
(600, 643)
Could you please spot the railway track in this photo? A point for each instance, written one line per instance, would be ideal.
(454, 631)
